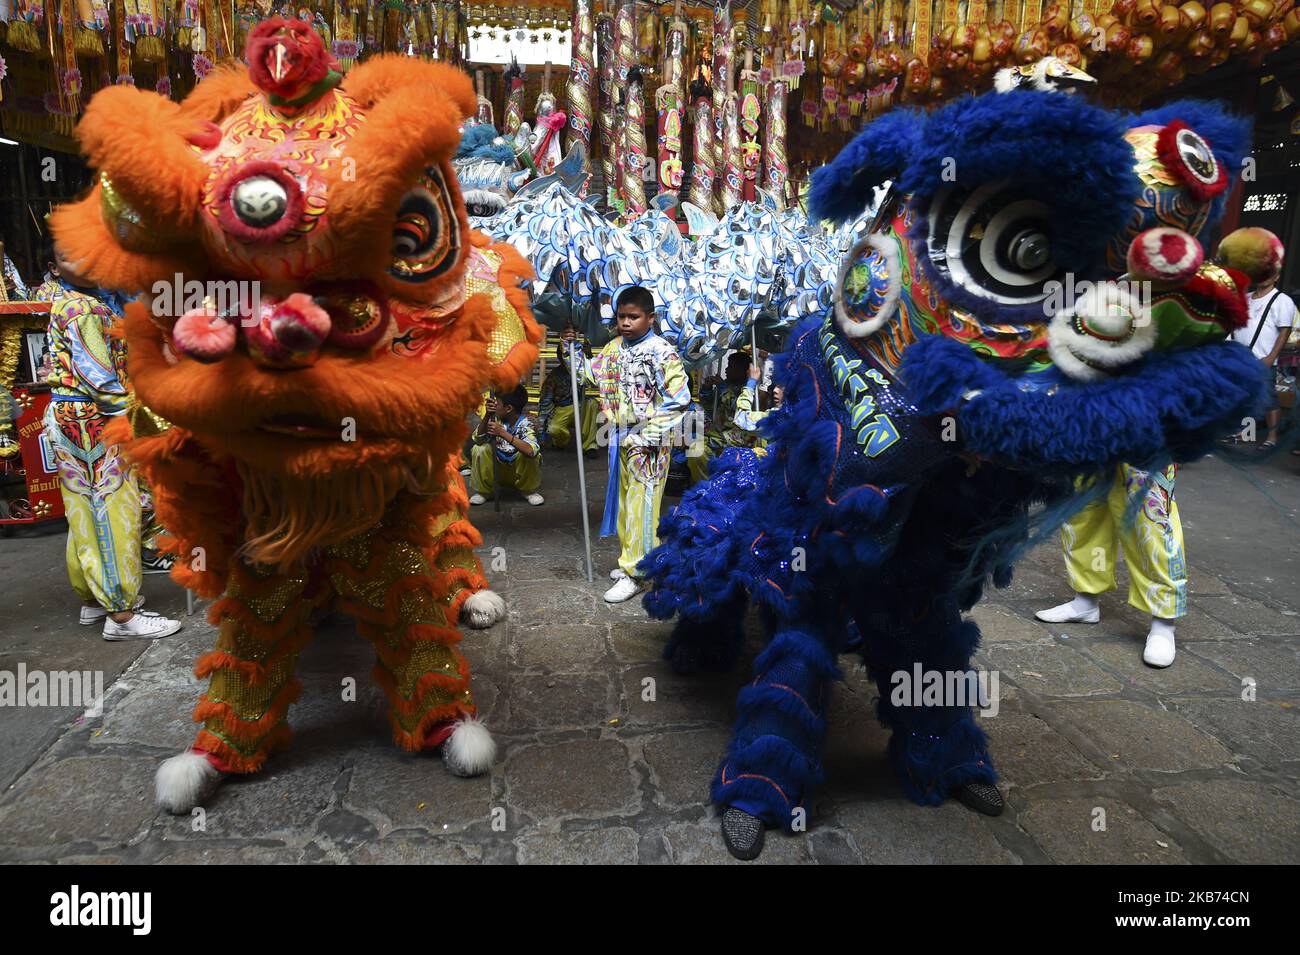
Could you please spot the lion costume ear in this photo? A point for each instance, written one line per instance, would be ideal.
(137, 224)
(842, 189)
(414, 111)
(381, 76)
(220, 93)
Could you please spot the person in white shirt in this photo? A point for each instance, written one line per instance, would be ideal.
(1259, 254)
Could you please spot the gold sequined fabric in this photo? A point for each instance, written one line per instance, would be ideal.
(261, 632)
(145, 423)
(509, 330)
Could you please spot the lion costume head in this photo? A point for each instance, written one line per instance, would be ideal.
(316, 317)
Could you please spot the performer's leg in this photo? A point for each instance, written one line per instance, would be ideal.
(77, 510)
(774, 758)
(1090, 549)
(1089, 545)
(1157, 564)
(261, 628)
(641, 492)
(1153, 549)
(526, 473)
(452, 539)
(393, 589)
(119, 526)
(697, 465)
(937, 747)
(590, 424)
(481, 476)
(561, 427)
(102, 503)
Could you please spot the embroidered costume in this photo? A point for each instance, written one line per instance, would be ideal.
(745, 417)
(555, 410)
(301, 440)
(100, 494)
(644, 394)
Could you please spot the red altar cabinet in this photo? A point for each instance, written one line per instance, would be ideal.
(29, 480)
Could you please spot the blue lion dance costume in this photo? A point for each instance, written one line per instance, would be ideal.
(980, 358)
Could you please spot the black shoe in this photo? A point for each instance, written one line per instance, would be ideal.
(156, 562)
(742, 833)
(982, 797)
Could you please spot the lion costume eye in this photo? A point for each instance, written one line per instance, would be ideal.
(426, 236)
(994, 243)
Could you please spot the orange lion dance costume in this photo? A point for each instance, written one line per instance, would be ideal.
(301, 442)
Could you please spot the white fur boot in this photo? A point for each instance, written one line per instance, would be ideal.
(470, 750)
(483, 609)
(183, 781)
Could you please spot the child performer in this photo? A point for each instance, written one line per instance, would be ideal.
(745, 417)
(506, 434)
(644, 393)
(555, 407)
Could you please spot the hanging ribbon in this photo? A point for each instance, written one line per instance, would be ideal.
(702, 169)
(776, 169)
(608, 147)
(634, 159)
(750, 114)
(579, 87)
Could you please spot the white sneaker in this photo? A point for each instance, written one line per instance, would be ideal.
(1082, 609)
(1159, 651)
(618, 573)
(625, 588)
(466, 472)
(534, 499)
(91, 615)
(477, 499)
(143, 626)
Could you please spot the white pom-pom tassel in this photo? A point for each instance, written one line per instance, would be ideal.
(483, 609)
(183, 781)
(470, 750)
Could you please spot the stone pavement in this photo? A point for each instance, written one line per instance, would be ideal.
(1104, 760)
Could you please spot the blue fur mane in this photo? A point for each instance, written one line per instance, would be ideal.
(479, 142)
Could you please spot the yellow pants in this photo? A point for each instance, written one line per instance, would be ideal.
(560, 427)
(523, 474)
(697, 465)
(643, 472)
(102, 502)
(1152, 544)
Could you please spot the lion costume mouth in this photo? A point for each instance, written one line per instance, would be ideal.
(304, 428)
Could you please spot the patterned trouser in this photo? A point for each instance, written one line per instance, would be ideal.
(102, 502)
(560, 427)
(404, 596)
(1152, 541)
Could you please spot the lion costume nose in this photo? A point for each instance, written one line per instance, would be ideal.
(288, 333)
